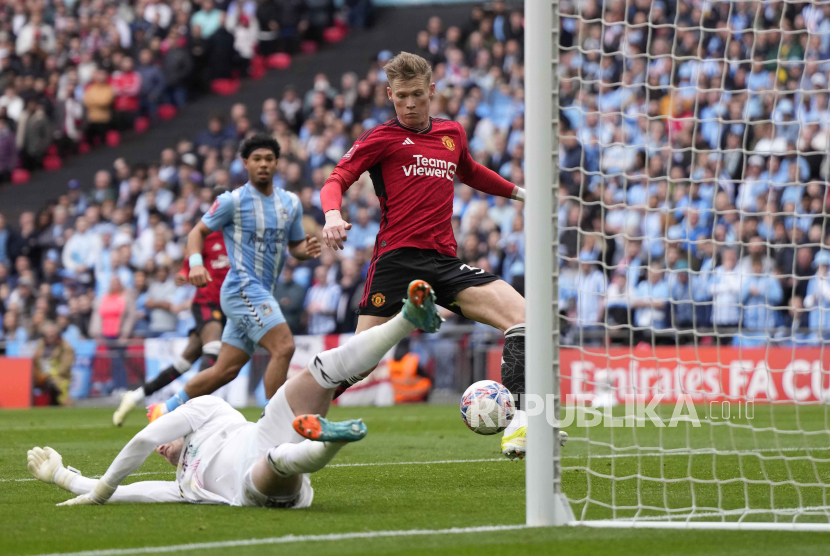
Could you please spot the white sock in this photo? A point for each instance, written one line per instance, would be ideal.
(360, 353)
(138, 394)
(182, 365)
(306, 457)
(519, 420)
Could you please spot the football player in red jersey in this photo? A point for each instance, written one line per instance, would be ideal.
(413, 160)
(204, 340)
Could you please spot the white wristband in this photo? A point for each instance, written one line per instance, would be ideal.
(196, 260)
(519, 194)
(102, 492)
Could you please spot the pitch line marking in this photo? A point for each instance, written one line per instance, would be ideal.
(289, 539)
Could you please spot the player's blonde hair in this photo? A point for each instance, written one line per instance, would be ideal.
(406, 66)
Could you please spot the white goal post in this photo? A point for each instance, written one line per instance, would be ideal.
(683, 342)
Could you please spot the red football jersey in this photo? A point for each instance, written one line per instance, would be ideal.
(413, 174)
(217, 264)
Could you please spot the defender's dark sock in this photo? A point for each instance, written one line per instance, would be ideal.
(345, 385)
(513, 362)
(167, 376)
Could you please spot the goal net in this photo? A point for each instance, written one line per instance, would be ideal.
(693, 261)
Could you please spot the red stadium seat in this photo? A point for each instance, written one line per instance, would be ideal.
(308, 47)
(20, 176)
(167, 112)
(52, 163)
(52, 150)
(224, 87)
(83, 147)
(141, 125)
(113, 138)
(340, 24)
(279, 61)
(257, 72)
(334, 34)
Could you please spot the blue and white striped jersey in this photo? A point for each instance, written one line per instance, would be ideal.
(257, 230)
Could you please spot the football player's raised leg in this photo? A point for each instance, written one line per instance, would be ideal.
(131, 399)
(306, 398)
(230, 361)
(502, 307)
(280, 345)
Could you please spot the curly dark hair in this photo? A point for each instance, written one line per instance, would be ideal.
(259, 141)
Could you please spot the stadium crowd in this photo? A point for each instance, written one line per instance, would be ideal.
(72, 70)
(681, 213)
(694, 171)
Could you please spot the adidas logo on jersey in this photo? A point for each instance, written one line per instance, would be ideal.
(408, 141)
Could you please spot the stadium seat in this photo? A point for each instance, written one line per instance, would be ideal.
(224, 87)
(279, 61)
(167, 112)
(52, 150)
(20, 176)
(83, 147)
(113, 138)
(308, 47)
(141, 125)
(334, 34)
(257, 72)
(52, 163)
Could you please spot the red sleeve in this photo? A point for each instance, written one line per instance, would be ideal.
(480, 177)
(331, 196)
(366, 152)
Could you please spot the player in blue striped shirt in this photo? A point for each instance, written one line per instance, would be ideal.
(261, 225)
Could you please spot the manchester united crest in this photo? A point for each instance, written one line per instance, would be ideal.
(378, 299)
(448, 142)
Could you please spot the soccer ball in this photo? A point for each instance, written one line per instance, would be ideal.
(487, 407)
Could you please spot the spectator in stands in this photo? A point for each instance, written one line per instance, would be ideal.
(98, 99)
(651, 298)
(363, 231)
(817, 300)
(291, 297)
(152, 83)
(52, 364)
(321, 303)
(682, 303)
(34, 135)
(725, 291)
(351, 292)
(590, 286)
(12, 331)
(214, 136)
(761, 295)
(8, 151)
(207, 20)
(159, 302)
(81, 250)
(13, 104)
(126, 86)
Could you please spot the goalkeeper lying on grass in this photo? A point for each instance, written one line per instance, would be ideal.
(221, 458)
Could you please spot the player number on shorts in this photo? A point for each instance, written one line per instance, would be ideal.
(472, 269)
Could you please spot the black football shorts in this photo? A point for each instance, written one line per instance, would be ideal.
(390, 274)
(205, 313)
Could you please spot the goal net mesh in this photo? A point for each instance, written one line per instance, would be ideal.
(694, 292)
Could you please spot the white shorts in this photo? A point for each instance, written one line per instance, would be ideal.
(274, 428)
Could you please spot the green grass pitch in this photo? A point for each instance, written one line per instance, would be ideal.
(352, 499)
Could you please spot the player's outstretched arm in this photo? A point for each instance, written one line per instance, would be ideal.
(46, 464)
(161, 431)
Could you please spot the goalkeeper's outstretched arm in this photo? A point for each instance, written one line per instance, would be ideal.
(46, 465)
(161, 431)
